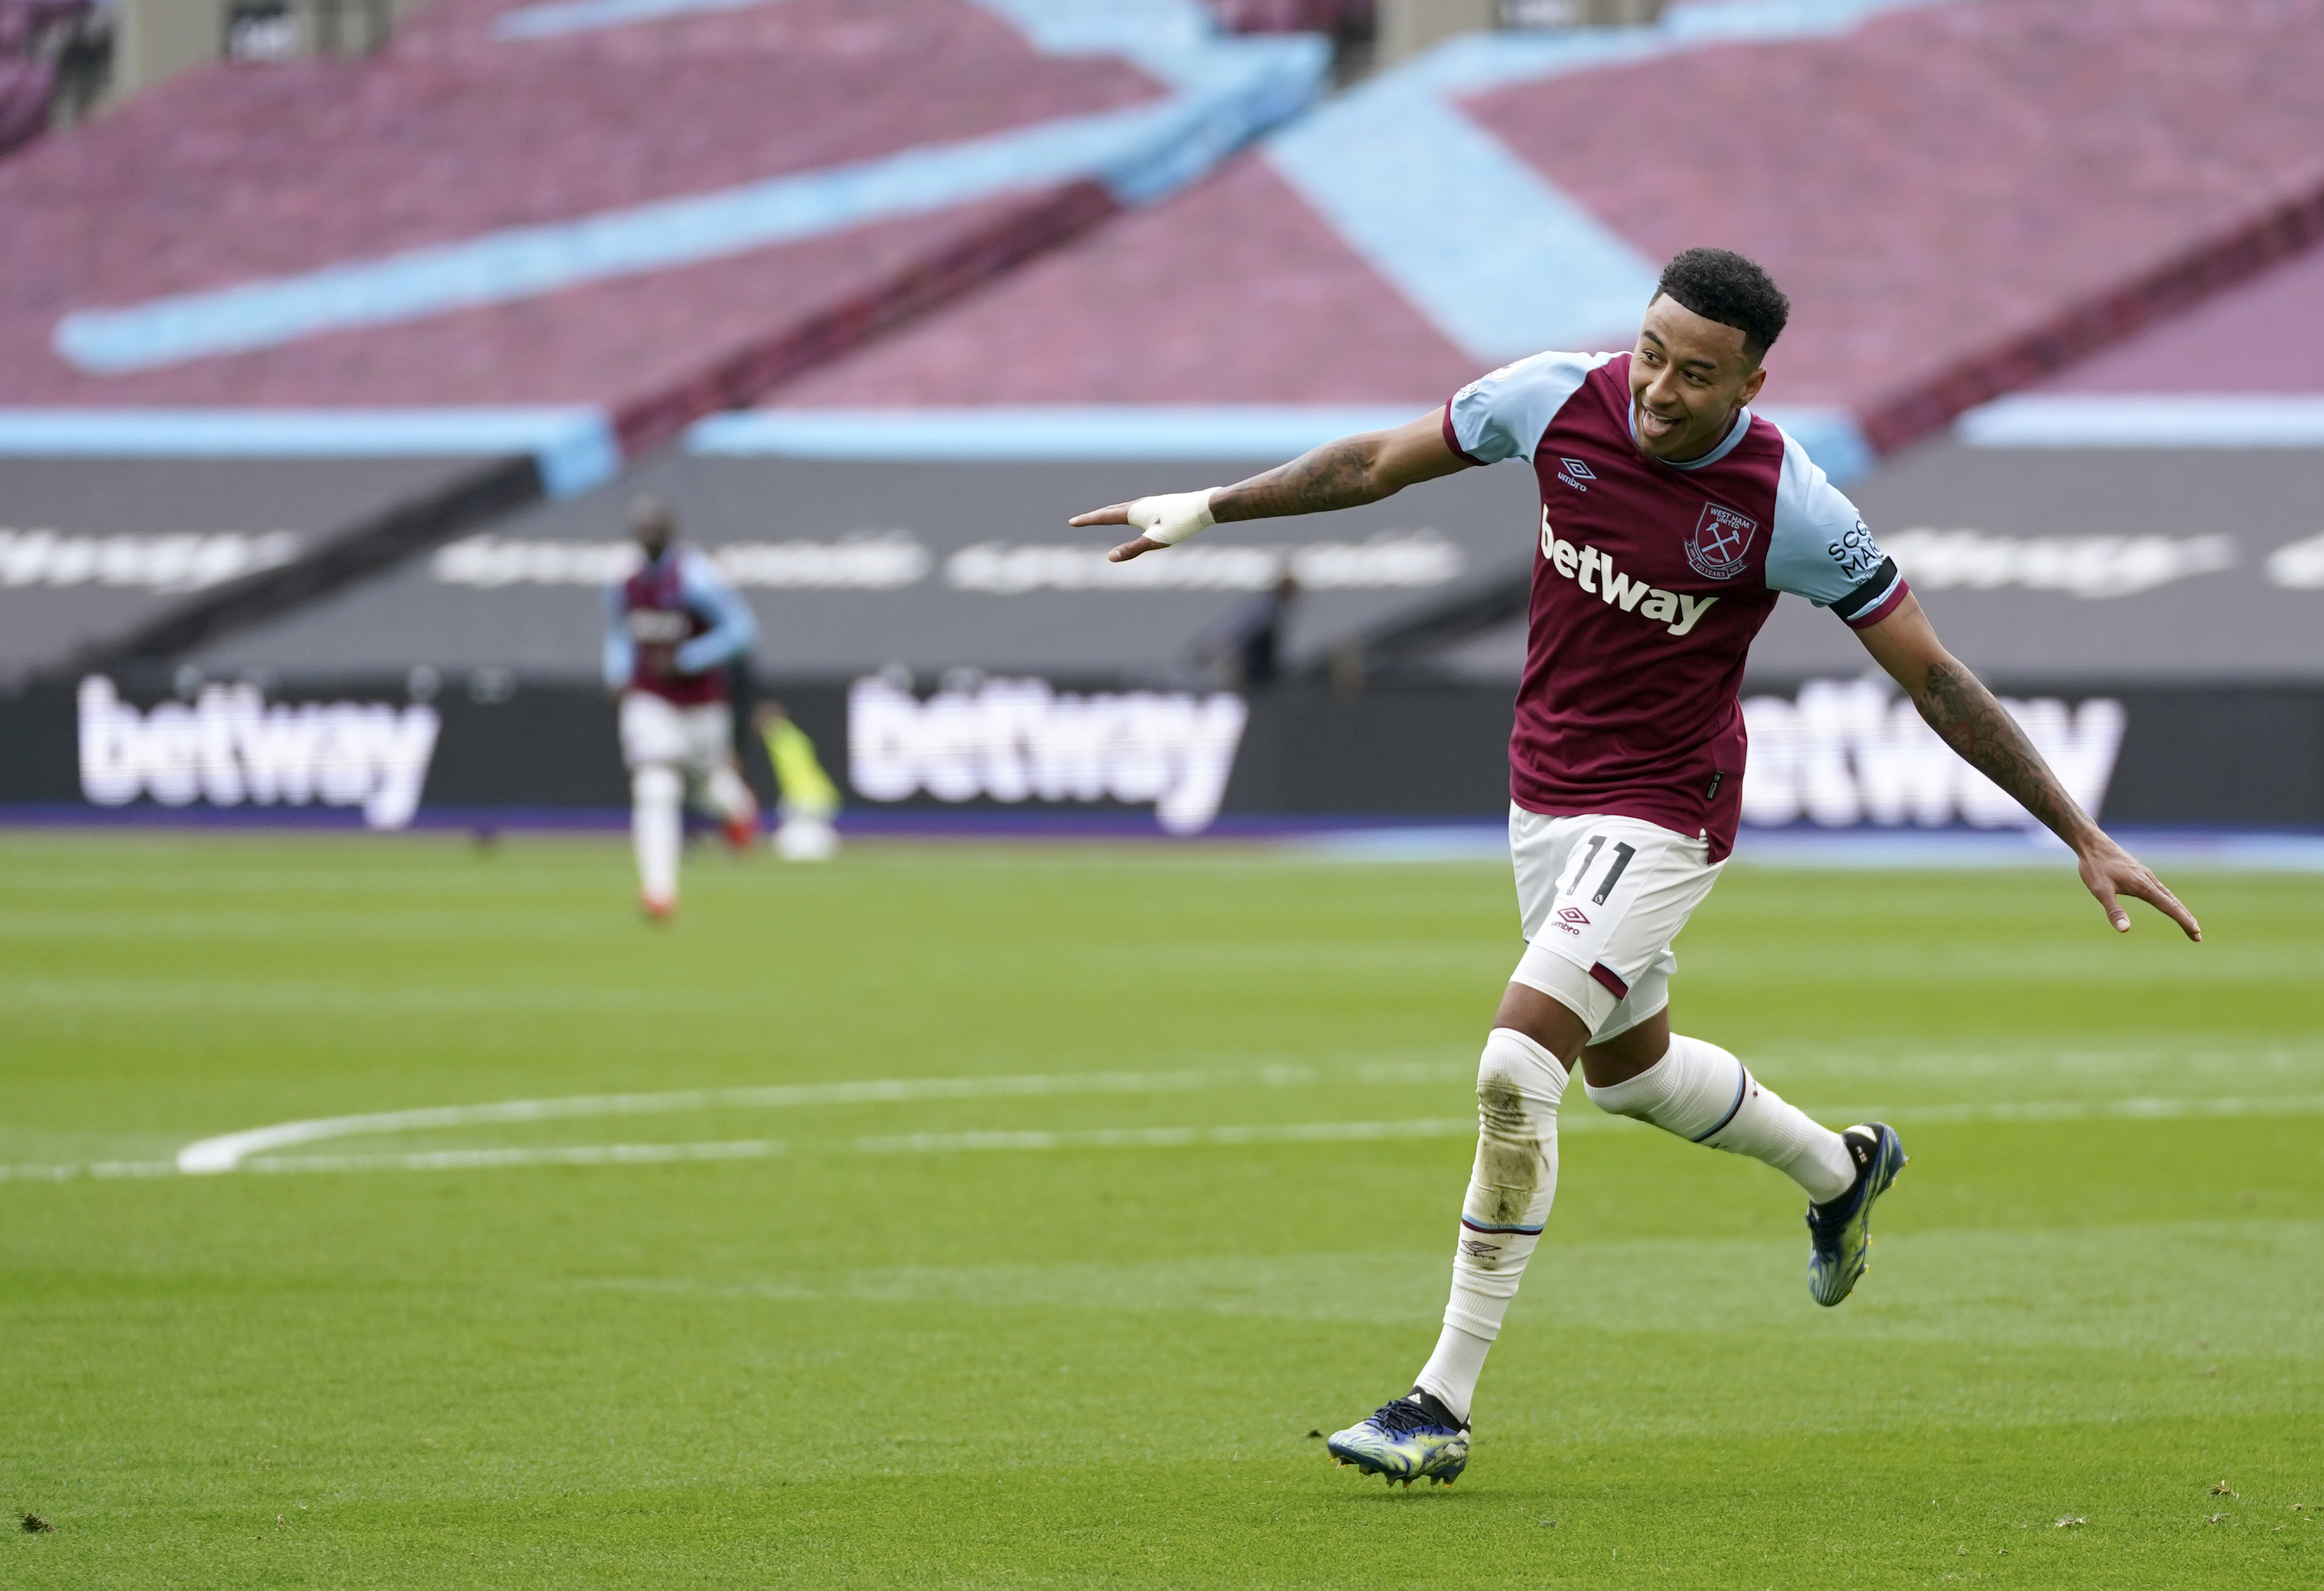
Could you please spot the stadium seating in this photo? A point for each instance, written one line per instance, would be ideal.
(653, 209)
(2244, 367)
(1960, 198)
(2266, 335)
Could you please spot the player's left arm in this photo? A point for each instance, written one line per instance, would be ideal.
(1345, 473)
(1956, 704)
(734, 628)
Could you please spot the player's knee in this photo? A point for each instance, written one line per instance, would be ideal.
(1518, 1084)
(656, 784)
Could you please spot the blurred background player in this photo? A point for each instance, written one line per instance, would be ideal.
(810, 801)
(672, 629)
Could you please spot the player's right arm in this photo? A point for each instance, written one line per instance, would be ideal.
(1344, 474)
(620, 659)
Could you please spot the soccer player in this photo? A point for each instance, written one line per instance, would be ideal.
(671, 629)
(1672, 518)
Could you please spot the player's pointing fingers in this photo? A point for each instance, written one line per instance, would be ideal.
(2155, 893)
(1116, 514)
(2116, 870)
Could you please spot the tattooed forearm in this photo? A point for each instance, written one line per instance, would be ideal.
(1337, 475)
(1963, 712)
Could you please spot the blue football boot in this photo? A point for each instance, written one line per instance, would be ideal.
(1414, 1438)
(1840, 1231)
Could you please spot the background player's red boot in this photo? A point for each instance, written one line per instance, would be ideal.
(743, 833)
(657, 909)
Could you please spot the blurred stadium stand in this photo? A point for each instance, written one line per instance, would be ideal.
(596, 219)
(2055, 275)
(481, 215)
(1959, 197)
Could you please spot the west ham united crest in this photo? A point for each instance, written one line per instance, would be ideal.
(1721, 542)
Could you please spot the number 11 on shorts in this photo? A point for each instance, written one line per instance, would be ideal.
(1577, 872)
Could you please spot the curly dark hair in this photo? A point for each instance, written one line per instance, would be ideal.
(1720, 284)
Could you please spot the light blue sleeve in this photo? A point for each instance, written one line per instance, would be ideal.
(620, 659)
(1502, 415)
(734, 628)
(1819, 548)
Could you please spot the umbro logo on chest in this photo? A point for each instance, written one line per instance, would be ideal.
(1676, 611)
(1572, 472)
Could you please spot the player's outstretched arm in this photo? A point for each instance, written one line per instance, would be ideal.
(1959, 709)
(1345, 473)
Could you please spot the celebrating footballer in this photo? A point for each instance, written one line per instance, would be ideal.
(1672, 519)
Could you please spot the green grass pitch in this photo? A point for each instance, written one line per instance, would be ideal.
(1077, 1333)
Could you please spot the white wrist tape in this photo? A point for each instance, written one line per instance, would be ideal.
(1174, 516)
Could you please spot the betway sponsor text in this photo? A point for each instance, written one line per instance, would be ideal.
(1676, 611)
(228, 746)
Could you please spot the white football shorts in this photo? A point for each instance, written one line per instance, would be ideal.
(696, 741)
(1601, 899)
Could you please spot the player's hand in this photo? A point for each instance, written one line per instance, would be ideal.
(1167, 519)
(2109, 871)
(1116, 514)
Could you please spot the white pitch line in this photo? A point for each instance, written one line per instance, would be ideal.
(578, 1154)
(1168, 1137)
(604, 1154)
(227, 1151)
(100, 1169)
(1999, 1112)
(2083, 1110)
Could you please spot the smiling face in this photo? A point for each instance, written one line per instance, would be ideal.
(1688, 375)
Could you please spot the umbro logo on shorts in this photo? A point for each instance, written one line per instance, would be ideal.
(1573, 914)
(1676, 611)
(1571, 919)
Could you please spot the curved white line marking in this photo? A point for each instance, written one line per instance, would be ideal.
(227, 1152)
(608, 1154)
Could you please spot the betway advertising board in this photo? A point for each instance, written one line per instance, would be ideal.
(1830, 753)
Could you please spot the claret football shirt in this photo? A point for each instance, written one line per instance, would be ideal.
(1649, 581)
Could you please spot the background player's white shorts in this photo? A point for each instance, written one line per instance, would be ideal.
(1601, 899)
(696, 741)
